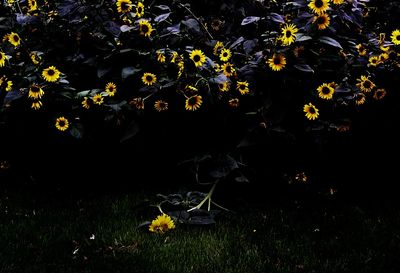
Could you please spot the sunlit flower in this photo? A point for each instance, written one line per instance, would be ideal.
(301, 177)
(6, 84)
(124, 6)
(243, 87)
(225, 55)
(191, 89)
(161, 105)
(162, 224)
(319, 6)
(86, 103)
(174, 57)
(216, 24)
(383, 57)
(149, 78)
(181, 66)
(51, 74)
(289, 34)
(311, 111)
(234, 103)
(36, 104)
(111, 89)
(32, 4)
(395, 37)
(298, 50)
(359, 98)
(325, 91)
(228, 69)
(379, 94)
(198, 57)
(277, 62)
(35, 58)
(139, 10)
(385, 48)
(138, 103)
(362, 51)
(365, 84)
(334, 85)
(160, 56)
(35, 92)
(217, 48)
(322, 21)
(145, 28)
(373, 61)
(14, 39)
(193, 103)
(3, 59)
(62, 123)
(98, 99)
(337, 2)
(224, 86)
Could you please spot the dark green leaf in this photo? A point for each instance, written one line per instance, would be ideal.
(129, 71)
(304, 68)
(250, 19)
(329, 41)
(162, 17)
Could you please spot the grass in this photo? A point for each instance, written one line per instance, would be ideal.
(39, 235)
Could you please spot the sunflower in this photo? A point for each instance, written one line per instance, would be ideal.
(124, 6)
(359, 98)
(149, 78)
(198, 57)
(62, 123)
(224, 86)
(385, 48)
(161, 105)
(191, 89)
(216, 24)
(10, 2)
(181, 66)
(217, 48)
(139, 10)
(35, 92)
(225, 55)
(145, 28)
(362, 51)
(322, 20)
(373, 61)
(98, 99)
(319, 6)
(174, 57)
(337, 2)
(234, 103)
(36, 104)
(162, 224)
(325, 91)
(298, 50)
(3, 59)
(111, 89)
(193, 103)
(7, 85)
(14, 39)
(395, 37)
(312, 113)
(160, 56)
(289, 34)
(277, 62)
(365, 84)
(35, 57)
(32, 5)
(86, 103)
(379, 94)
(138, 103)
(243, 87)
(383, 57)
(334, 85)
(51, 74)
(228, 69)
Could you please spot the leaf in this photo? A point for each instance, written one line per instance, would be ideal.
(132, 131)
(329, 41)
(163, 7)
(76, 132)
(237, 42)
(162, 17)
(224, 165)
(301, 37)
(304, 68)
(174, 29)
(249, 45)
(250, 19)
(192, 24)
(221, 78)
(276, 17)
(125, 28)
(129, 71)
(102, 71)
(112, 28)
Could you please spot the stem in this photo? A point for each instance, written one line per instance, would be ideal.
(198, 20)
(207, 198)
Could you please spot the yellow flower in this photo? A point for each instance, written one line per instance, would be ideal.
(217, 48)
(161, 105)
(359, 98)
(149, 79)
(373, 61)
(365, 84)
(36, 105)
(322, 21)
(111, 89)
(3, 59)
(162, 224)
(139, 10)
(228, 69)
(138, 103)
(311, 111)
(385, 48)
(243, 87)
(160, 56)
(379, 94)
(288, 34)
(224, 86)
(86, 103)
(234, 103)
(32, 5)
(35, 92)
(174, 57)
(225, 55)
(362, 51)
(193, 103)
(383, 57)
(395, 37)
(145, 28)
(10, 2)
(191, 89)
(98, 99)
(337, 2)
(319, 6)
(35, 57)
(181, 66)
(124, 6)
(325, 91)
(62, 123)
(6, 84)
(198, 57)
(277, 62)
(14, 39)
(51, 74)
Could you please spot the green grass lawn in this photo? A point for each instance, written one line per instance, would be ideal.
(39, 235)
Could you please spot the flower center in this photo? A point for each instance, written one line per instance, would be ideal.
(288, 33)
(61, 123)
(319, 3)
(321, 20)
(145, 28)
(16, 38)
(149, 78)
(228, 69)
(51, 72)
(124, 6)
(140, 9)
(196, 58)
(35, 89)
(367, 84)
(277, 60)
(192, 101)
(311, 110)
(325, 90)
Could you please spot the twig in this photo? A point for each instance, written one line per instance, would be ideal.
(198, 20)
